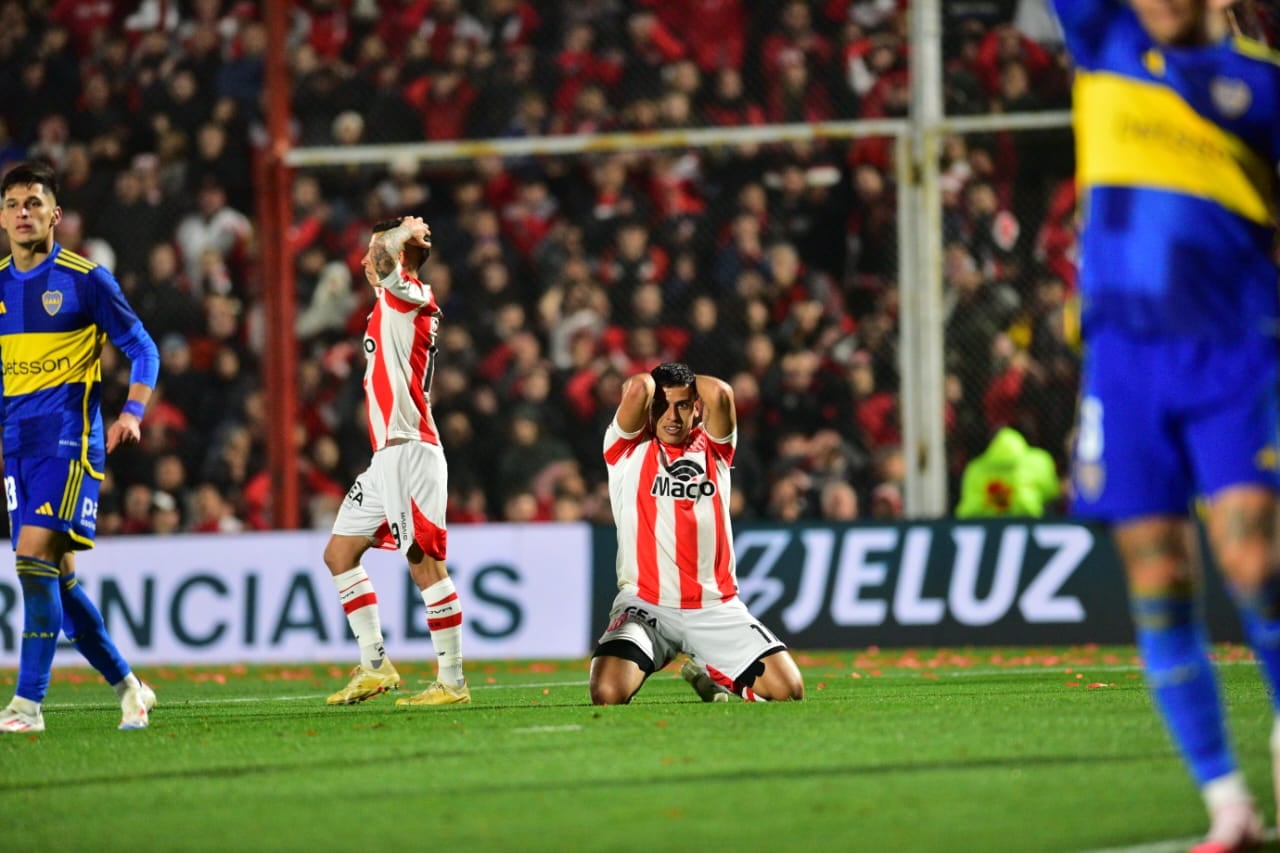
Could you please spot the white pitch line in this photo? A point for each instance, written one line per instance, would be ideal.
(1173, 845)
(232, 700)
(538, 730)
(979, 672)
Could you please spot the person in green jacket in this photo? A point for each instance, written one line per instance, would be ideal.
(1009, 478)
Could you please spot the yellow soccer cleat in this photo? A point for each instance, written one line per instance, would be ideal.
(366, 683)
(439, 693)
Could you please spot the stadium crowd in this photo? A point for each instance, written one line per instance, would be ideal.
(774, 267)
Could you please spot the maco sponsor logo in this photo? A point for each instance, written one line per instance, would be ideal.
(681, 481)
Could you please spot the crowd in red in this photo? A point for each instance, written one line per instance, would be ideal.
(772, 266)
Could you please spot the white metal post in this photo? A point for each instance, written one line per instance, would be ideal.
(923, 380)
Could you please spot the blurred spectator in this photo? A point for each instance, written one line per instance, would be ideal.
(774, 264)
(839, 502)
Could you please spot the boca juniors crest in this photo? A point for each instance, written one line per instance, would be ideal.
(52, 301)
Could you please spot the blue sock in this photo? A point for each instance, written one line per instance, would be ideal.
(82, 623)
(1260, 613)
(1175, 656)
(42, 621)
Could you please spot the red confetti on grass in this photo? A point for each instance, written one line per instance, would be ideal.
(822, 685)
(1095, 685)
(855, 675)
(491, 680)
(1073, 684)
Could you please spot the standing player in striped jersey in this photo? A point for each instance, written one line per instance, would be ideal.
(399, 501)
(56, 311)
(669, 450)
(1177, 138)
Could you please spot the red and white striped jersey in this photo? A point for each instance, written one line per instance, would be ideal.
(400, 349)
(671, 506)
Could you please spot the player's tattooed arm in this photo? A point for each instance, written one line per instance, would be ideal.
(385, 251)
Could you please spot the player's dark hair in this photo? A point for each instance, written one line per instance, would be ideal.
(387, 224)
(673, 374)
(31, 172)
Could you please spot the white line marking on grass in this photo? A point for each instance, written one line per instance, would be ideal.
(1173, 845)
(976, 672)
(538, 730)
(234, 700)
(1059, 669)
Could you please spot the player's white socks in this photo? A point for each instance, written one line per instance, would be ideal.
(126, 684)
(360, 603)
(1225, 789)
(444, 620)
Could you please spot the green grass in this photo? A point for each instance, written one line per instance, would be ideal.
(919, 750)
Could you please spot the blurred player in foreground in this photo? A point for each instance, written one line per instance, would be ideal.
(669, 450)
(1177, 137)
(398, 503)
(56, 310)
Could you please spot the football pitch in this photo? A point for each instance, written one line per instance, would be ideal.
(956, 749)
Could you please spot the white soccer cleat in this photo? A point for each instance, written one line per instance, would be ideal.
(1236, 826)
(135, 707)
(22, 715)
(702, 684)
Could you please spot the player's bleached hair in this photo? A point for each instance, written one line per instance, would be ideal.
(31, 172)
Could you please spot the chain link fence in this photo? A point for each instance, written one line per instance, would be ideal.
(773, 266)
(770, 261)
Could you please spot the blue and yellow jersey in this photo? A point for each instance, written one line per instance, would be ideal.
(1176, 151)
(54, 320)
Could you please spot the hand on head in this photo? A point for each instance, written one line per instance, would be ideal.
(419, 231)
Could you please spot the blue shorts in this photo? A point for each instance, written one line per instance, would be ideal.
(59, 494)
(1162, 422)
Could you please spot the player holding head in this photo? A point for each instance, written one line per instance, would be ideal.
(56, 310)
(1176, 144)
(399, 501)
(668, 451)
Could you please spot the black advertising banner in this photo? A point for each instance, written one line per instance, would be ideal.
(942, 583)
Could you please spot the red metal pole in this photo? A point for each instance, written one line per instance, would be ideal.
(282, 357)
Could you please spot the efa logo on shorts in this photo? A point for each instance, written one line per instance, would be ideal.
(682, 481)
(627, 614)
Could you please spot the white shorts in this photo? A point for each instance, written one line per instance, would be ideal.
(399, 500)
(725, 637)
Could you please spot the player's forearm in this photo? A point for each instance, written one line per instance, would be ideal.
(637, 394)
(139, 394)
(718, 414)
(713, 391)
(385, 251)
